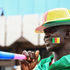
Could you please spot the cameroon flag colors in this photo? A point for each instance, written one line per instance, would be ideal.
(56, 40)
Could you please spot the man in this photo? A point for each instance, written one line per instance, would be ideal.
(56, 27)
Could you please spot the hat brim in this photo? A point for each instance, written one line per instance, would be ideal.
(40, 29)
(52, 24)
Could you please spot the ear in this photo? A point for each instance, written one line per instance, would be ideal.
(67, 35)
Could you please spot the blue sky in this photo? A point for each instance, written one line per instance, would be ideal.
(22, 7)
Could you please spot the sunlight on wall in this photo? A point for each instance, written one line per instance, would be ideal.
(13, 29)
(30, 22)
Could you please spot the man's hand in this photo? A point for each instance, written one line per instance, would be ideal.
(31, 61)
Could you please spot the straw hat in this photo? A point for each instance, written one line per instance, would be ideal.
(55, 17)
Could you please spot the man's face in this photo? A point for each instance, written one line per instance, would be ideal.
(54, 32)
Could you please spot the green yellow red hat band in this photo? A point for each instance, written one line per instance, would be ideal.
(57, 23)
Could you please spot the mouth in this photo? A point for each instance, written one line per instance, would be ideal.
(48, 45)
(48, 42)
(48, 48)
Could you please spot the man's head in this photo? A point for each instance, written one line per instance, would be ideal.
(62, 32)
(56, 25)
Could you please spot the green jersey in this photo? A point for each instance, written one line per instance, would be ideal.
(62, 64)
